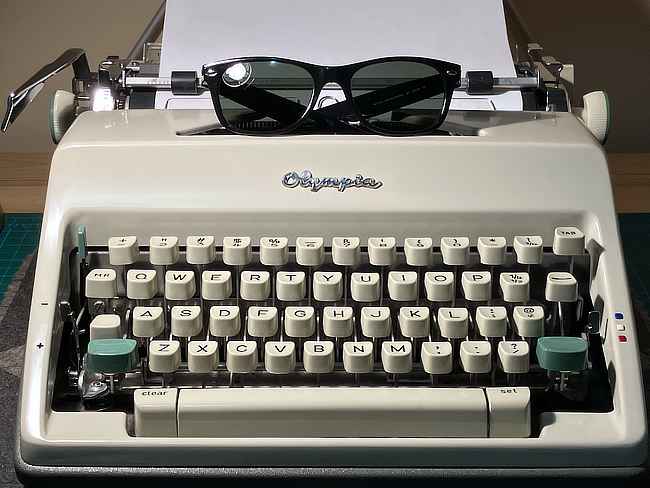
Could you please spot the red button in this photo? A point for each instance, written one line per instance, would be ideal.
(622, 338)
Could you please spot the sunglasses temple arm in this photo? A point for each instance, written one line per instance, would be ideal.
(388, 99)
(265, 102)
(275, 106)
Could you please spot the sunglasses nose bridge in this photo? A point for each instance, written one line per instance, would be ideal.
(329, 74)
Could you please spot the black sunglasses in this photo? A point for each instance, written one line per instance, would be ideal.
(395, 96)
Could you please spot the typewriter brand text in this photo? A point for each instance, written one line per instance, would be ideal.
(306, 179)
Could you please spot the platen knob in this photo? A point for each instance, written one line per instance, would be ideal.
(62, 113)
(595, 114)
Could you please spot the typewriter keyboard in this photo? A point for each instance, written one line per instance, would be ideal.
(331, 338)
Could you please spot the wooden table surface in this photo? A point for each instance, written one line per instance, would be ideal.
(23, 181)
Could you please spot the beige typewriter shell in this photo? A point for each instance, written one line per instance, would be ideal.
(129, 173)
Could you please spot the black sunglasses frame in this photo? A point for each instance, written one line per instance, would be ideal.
(342, 75)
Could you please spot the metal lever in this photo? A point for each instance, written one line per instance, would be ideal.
(593, 323)
(23, 95)
(484, 83)
(554, 67)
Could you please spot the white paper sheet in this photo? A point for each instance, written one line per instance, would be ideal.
(471, 33)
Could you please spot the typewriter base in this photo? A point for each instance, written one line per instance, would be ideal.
(31, 475)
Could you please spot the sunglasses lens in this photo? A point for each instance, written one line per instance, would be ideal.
(399, 96)
(261, 96)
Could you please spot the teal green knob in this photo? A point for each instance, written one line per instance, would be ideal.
(562, 353)
(112, 356)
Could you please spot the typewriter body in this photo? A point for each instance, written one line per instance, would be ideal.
(326, 306)
(432, 383)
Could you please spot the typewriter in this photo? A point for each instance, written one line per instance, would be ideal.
(211, 306)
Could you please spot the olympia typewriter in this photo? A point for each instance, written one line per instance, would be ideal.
(331, 302)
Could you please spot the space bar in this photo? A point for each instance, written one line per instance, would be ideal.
(332, 412)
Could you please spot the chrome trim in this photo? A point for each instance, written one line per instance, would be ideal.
(306, 179)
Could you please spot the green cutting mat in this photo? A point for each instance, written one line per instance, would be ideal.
(20, 235)
(18, 239)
